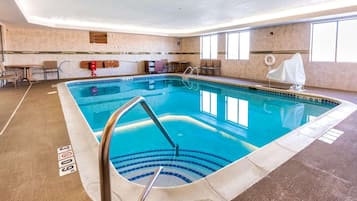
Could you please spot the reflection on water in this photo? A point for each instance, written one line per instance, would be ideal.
(99, 91)
(208, 102)
(292, 116)
(237, 110)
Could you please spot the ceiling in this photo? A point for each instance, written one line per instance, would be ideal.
(166, 17)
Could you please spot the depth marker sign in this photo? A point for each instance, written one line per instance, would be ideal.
(66, 161)
(67, 169)
(65, 155)
(64, 149)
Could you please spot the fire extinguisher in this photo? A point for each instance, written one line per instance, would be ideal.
(93, 68)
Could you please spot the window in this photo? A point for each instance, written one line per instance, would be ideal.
(324, 42)
(237, 111)
(232, 42)
(347, 43)
(237, 45)
(209, 47)
(208, 102)
(334, 41)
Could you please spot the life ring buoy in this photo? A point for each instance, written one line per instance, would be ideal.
(269, 59)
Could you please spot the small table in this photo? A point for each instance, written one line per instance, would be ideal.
(26, 68)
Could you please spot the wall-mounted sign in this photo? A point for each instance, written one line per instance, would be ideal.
(98, 37)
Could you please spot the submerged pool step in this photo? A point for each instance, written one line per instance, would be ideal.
(182, 158)
(188, 166)
(168, 173)
(204, 156)
(163, 160)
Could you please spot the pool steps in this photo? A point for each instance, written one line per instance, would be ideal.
(193, 164)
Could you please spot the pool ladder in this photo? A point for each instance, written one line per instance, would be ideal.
(189, 70)
(104, 165)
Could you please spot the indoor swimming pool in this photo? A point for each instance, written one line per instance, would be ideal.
(214, 124)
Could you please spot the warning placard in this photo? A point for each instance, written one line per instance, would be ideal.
(65, 155)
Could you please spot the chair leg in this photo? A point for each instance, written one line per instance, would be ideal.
(57, 75)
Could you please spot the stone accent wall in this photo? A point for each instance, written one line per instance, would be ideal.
(34, 45)
(284, 41)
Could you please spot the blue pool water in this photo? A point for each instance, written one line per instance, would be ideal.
(214, 124)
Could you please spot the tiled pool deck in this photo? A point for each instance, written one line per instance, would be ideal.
(29, 169)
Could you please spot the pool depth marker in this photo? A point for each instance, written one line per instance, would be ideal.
(66, 161)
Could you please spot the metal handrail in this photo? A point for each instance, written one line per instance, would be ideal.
(150, 184)
(187, 69)
(195, 68)
(104, 165)
(191, 70)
